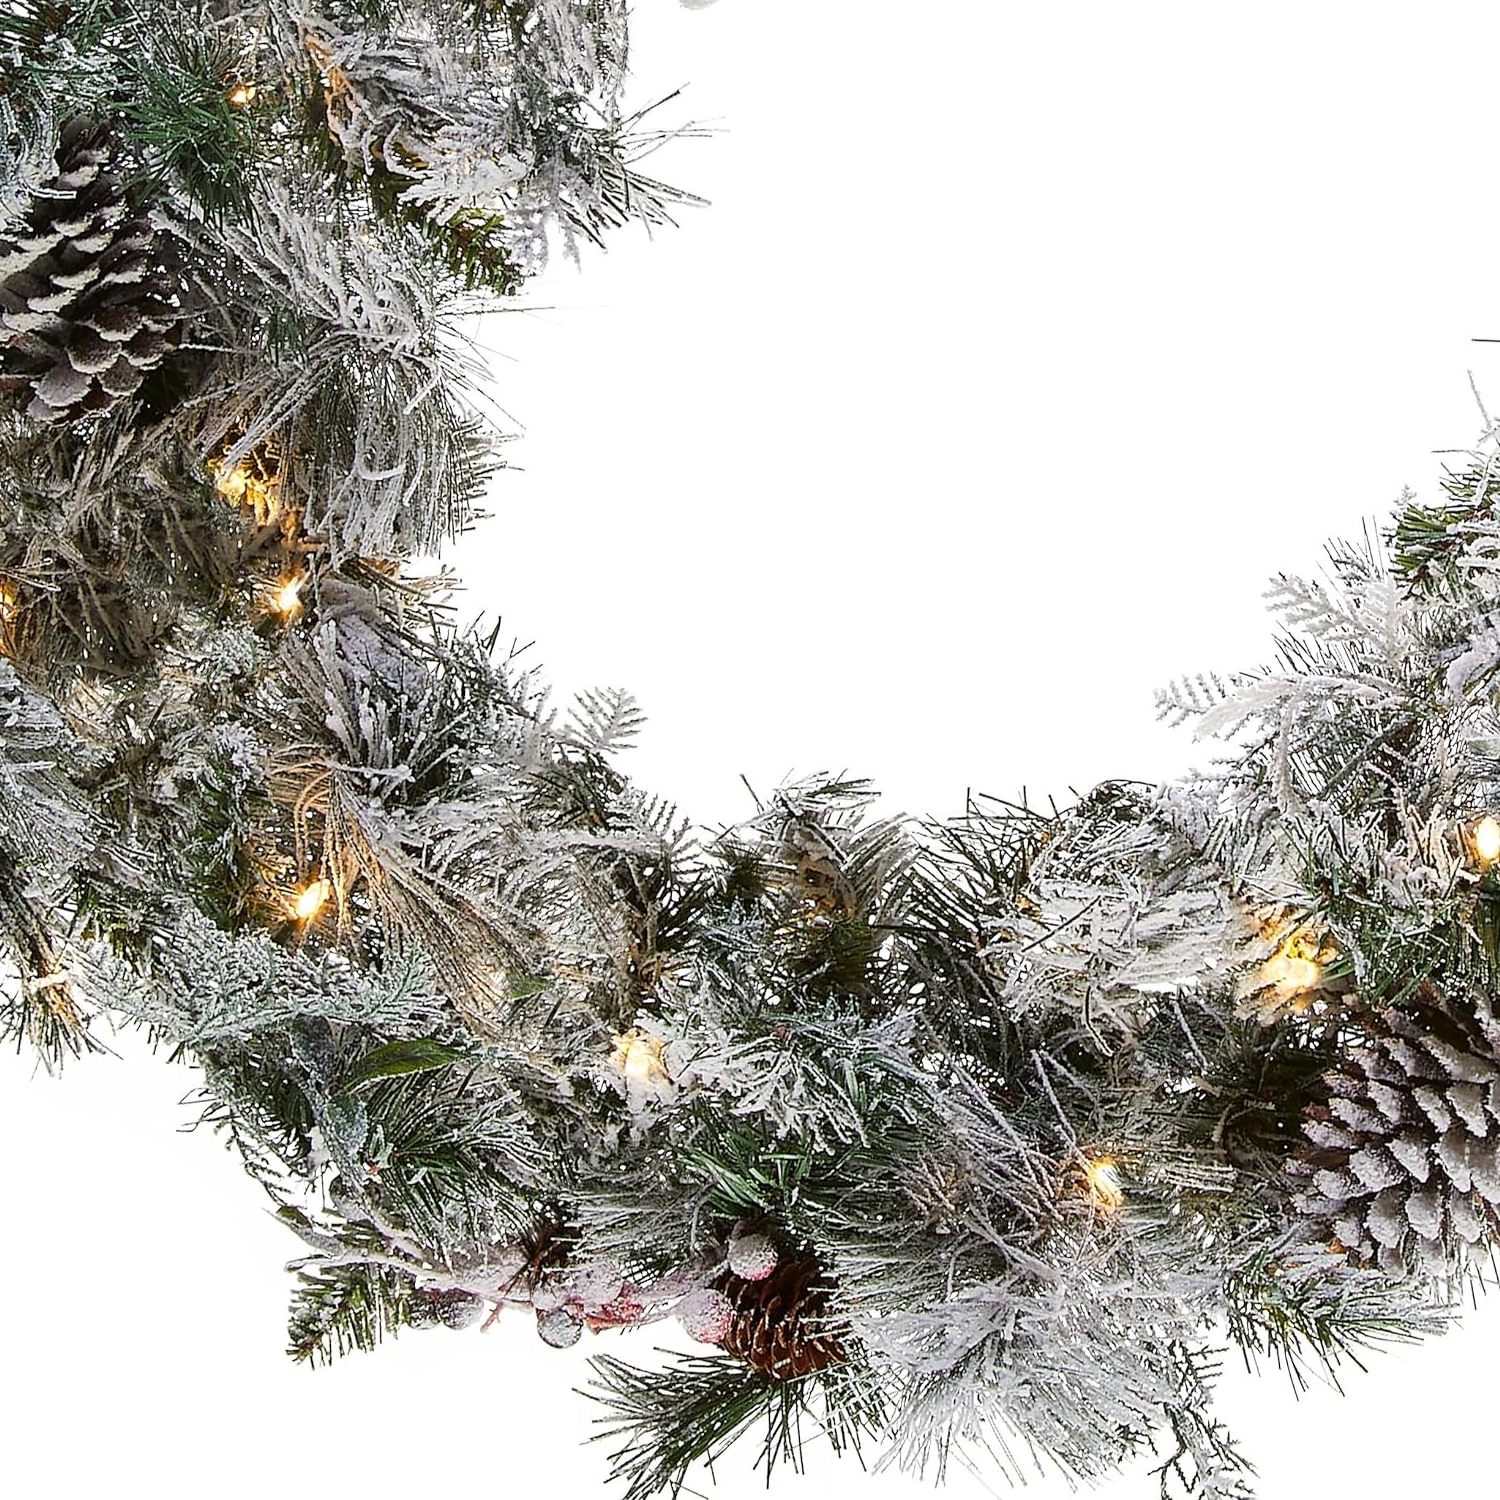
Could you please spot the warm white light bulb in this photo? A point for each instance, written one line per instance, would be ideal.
(1292, 969)
(1104, 1182)
(1301, 973)
(1485, 837)
(638, 1056)
(311, 899)
(287, 599)
(231, 483)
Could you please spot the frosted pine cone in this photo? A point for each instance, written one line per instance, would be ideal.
(1404, 1163)
(780, 1323)
(422, 1309)
(88, 303)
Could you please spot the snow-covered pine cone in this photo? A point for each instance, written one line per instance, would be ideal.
(88, 304)
(1403, 1166)
(780, 1322)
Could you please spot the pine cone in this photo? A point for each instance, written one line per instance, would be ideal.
(779, 1323)
(1404, 1164)
(87, 305)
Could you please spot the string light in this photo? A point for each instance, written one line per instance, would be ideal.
(1484, 839)
(286, 598)
(638, 1055)
(247, 484)
(1289, 980)
(1105, 1190)
(311, 899)
(230, 483)
(1294, 966)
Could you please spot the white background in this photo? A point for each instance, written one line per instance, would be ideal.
(1020, 345)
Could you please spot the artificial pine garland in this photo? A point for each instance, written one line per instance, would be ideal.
(929, 1130)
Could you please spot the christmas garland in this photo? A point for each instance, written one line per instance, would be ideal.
(933, 1131)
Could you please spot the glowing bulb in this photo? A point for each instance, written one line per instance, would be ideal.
(1293, 968)
(231, 483)
(311, 899)
(1301, 973)
(638, 1056)
(1485, 838)
(1293, 977)
(241, 96)
(286, 600)
(1104, 1183)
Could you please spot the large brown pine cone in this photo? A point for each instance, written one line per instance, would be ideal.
(780, 1323)
(1403, 1166)
(89, 300)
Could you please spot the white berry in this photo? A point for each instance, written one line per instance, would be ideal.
(559, 1328)
(706, 1315)
(752, 1256)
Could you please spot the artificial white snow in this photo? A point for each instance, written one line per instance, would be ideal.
(1457, 1063)
(1375, 1168)
(595, 1284)
(1453, 1154)
(1467, 1100)
(1330, 1135)
(1467, 1222)
(1390, 1102)
(1424, 1212)
(1361, 1117)
(1484, 1167)
(1413, 1153)
(1386, 1218)
(1432, 1104)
